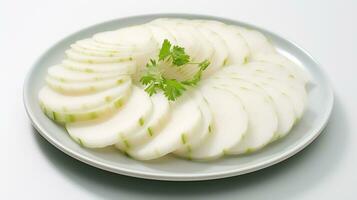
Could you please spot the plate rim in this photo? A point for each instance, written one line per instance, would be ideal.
(166, 176)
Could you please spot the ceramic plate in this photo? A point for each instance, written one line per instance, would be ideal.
(320, 101)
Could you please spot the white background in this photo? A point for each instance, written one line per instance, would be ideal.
(31, 168)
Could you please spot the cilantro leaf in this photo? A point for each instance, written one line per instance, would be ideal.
(154, 81)
(179, 57)
(172, 89)
(165, 50)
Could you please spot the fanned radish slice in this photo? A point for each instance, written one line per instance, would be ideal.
(186, 120)
(282, 104)
(91, 44)
(101, 133)
(184, 36)
(220, 55)
(160, 116)
(285, 62)
(262, 118)
(128, 67)
(64, 74)
(181, 32)
(293, 90)
(67, 103)
(205, 51)
(198, 138)
(86, 114)
(160, 34)
(80, 57)
(81, 88)
(129, 36)
(237, 47)
(257, 42)
(230, 123)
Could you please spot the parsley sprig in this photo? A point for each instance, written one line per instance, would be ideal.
(172, 88)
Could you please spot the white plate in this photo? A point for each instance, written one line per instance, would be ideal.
(320, 101)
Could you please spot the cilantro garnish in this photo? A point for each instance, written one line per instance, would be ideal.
(172, 88)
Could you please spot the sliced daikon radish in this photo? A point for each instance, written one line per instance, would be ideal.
(205, 52)
(230, 123)
(79, 56)
(129, 36)
(285, 62)
(257, 42)
(220, 55)
(87, 114)
(262, 118)
(160, 116)
(282, 104)
(269, 71)
(186, 120)
(91, 44)
(128, 67)
(80, 88)
(293, 90)
(104, 132)
(160, 34)
(182, 34)
(58, 102)
(184, 37)
(115, 53)
(298, 96)
(201, 135)
(64, 74)
(237, 47)
(277, 71)
(91, 52)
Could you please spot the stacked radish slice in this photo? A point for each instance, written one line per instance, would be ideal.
(249, 96)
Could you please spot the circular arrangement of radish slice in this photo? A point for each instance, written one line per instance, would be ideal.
(249, 96)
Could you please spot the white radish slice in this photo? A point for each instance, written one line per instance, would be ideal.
(277, 71)
(282, 104)
(262, 118)
(116, 53)
(285, 62)
(128, 67)
(256, 41)
(203, 133)
(182, 34)
(80, 57)
(297, 96)
(90, 44)
(80, 88)
(237, 47)
(230, 123)
(63, 74)
(186, 120)
(160, 34)
(129, 36)
(205, 51)
(160, 116)
(88, 114)
(102, 133)
(90, 52)
(295, 92)
(58, 102)
(220, 55)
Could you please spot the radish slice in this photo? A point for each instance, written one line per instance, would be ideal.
(230, 123)
(186, 120)
(109, 131)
